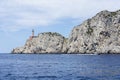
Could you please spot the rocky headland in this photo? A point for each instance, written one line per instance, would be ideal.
(99, 34)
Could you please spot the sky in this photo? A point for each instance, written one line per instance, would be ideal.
(19, 17)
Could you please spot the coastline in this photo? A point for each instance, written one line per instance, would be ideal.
(97, 35)
(67, 53)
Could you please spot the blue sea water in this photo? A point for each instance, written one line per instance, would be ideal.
(59, 67)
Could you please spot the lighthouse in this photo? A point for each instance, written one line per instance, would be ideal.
(32, 36)
(32, 33)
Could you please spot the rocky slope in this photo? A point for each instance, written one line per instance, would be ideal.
(43, 43)
(100, 34)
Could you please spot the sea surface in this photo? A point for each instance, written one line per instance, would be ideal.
(59, 67)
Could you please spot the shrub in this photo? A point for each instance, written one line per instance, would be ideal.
(89, 31)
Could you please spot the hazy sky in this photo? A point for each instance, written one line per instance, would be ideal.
(19, 17)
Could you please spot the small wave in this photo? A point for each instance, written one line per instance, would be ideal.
(7, 75)
(47, 77)
(85, 78)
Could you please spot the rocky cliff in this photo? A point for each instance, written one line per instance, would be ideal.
(100, 34)
(43, 43)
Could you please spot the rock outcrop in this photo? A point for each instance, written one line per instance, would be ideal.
(100, 34)
(44, 43)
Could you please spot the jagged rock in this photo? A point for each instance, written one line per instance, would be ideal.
(100, 34)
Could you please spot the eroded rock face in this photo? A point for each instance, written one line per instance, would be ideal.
(100, 34)
(43, 43)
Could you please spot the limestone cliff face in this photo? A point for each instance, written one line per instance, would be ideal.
(43, 43)
(100, 34)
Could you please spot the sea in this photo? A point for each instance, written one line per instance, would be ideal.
(59, 67)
